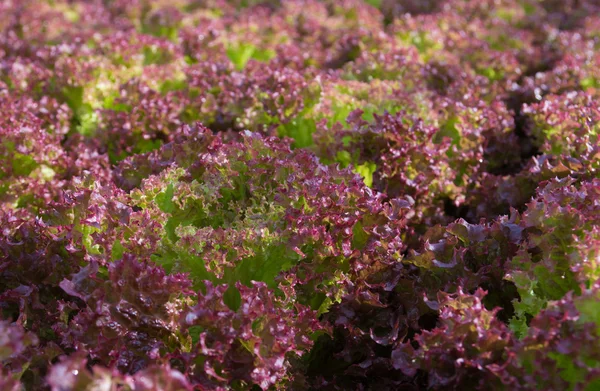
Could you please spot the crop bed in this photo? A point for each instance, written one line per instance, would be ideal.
(299, 195)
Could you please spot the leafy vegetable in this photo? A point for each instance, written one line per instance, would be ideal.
(299, 195)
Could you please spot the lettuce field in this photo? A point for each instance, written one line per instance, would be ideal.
(299, 195)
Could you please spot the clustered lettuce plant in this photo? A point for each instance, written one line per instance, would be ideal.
(299, 195)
